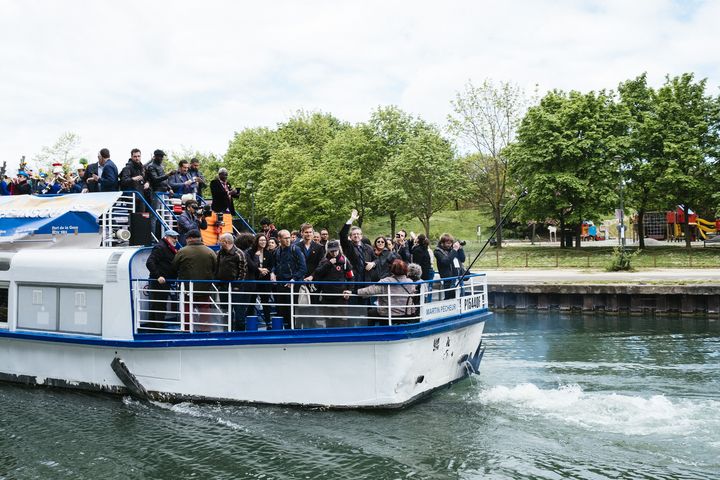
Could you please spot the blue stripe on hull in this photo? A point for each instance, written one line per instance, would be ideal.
(324, 335)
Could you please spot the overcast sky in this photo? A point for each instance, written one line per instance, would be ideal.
(183, 74)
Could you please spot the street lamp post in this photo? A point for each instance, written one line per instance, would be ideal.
(618, 159)
(250, 186)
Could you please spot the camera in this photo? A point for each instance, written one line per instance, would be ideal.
(462, 243)
(206, 210)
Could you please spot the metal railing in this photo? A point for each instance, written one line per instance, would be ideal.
(215, 306)
(118, 218)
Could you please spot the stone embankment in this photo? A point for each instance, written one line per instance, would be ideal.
(660, 291)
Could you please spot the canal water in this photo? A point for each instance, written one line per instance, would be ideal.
(558, 397)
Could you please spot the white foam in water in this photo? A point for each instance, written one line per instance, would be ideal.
(611, 412)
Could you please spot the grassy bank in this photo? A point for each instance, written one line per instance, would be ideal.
(461, 224)
(594, 258)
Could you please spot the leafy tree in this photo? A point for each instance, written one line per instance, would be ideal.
(64, 150)
(563, 157)
(485, 118)
(641, 156)
(246, 158)
(690, 120)
(426, 172)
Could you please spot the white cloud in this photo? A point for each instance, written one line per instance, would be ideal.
(172, 74)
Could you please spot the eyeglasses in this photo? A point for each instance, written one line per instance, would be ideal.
(380, 241)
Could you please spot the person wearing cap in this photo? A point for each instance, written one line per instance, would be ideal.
(22, 187)
(191, 219)
(333, 268)
(160, 266)
(223, 194)
(158, 180)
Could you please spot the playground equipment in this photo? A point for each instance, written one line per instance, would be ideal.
(699, 227)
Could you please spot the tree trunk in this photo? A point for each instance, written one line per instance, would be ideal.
(686, 227)
(578, 236)
(641, 228)
(393, 223)
(532, 235)
(497, 213)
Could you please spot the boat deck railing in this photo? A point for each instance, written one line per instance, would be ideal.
(196, 306)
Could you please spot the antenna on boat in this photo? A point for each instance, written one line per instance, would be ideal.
(492, 235)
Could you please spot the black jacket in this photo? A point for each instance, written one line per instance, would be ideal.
(221, 202)
(131, 170)
(421, 256)
(91, 170)
(159, 263)
(445, 263)
(231, 265)
(329, 272)
(155, 174)
(357, 256)
(313, 255)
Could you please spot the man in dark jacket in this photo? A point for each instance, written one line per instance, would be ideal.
(132, 178)
(160, 266)
(223, 194)
(289, 266)
(108, 178)
(89, 179)
(449, 255)
(195, 261)
(191, 219)
(197, 176)
(158, 180)
(361, 255)
(311, 250)
(182, 182)
(232, 266)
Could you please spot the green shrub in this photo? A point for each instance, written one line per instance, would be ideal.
(621, 260)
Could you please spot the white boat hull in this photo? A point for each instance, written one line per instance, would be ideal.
(327, 372)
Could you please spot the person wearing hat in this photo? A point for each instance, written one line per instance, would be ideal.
(191, 219)
(160, 266)
(333, 268)
(22, 187)
(78, 183)
(158, 180)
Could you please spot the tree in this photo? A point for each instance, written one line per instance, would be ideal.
(485, 119)
(64, 150)
(690, 120)
(426, 172)
(564, 157)
(641, 156)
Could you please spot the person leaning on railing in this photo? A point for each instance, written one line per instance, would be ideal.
(401, 295)
(160, 266)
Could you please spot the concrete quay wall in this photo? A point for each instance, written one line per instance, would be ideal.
(632, 298)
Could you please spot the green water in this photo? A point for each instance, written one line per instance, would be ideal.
(557, 397)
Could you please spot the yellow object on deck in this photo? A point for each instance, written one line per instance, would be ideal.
(212, 233)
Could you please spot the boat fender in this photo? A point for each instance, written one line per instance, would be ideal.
(134, 387)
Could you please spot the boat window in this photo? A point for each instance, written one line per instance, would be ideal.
(4, 264)
(62, 309)
(3, 303)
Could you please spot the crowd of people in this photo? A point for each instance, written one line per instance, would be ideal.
(347, 279)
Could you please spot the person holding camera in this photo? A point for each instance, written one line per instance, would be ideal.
(191, 219)
(449, 255)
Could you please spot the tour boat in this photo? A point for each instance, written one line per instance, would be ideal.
(78, 316)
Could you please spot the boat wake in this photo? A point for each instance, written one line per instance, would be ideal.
(611, 412)
(191, 409)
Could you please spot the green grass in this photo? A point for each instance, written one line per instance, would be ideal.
(595, 257)
(462, 224)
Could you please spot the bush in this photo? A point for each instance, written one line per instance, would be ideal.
(621, 260)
